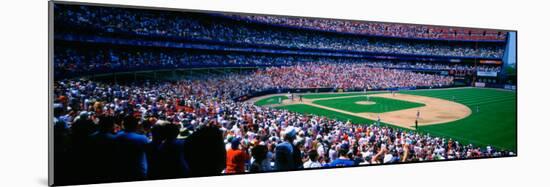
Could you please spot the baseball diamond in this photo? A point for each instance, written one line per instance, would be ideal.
(439, 113)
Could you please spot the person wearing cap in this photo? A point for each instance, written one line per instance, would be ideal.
(287, 156)
(236, 157)
(342, 159)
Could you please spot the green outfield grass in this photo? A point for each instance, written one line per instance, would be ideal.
(328, 95)
(382, 104)
(311, 110)
(494, 124)
(270, 100)
(307, 109)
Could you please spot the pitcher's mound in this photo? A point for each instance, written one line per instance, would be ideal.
(365, 102)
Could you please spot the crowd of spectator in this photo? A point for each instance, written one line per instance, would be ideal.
(379, 29)
(153, 130)
(347, 75)
(75, 61)
(317, 75)
(434, 66)
(108, 131)
(203, 27)
(69, 60)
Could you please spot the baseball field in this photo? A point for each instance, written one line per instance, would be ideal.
(478, 116)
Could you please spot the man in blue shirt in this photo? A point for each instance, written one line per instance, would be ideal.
(342, 159)
(286, 155)
(131, 150)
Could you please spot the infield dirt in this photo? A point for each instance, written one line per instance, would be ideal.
(435, 111)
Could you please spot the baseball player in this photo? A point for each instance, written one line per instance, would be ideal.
(378, 121)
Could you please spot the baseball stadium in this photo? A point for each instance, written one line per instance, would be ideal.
(141, 93)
